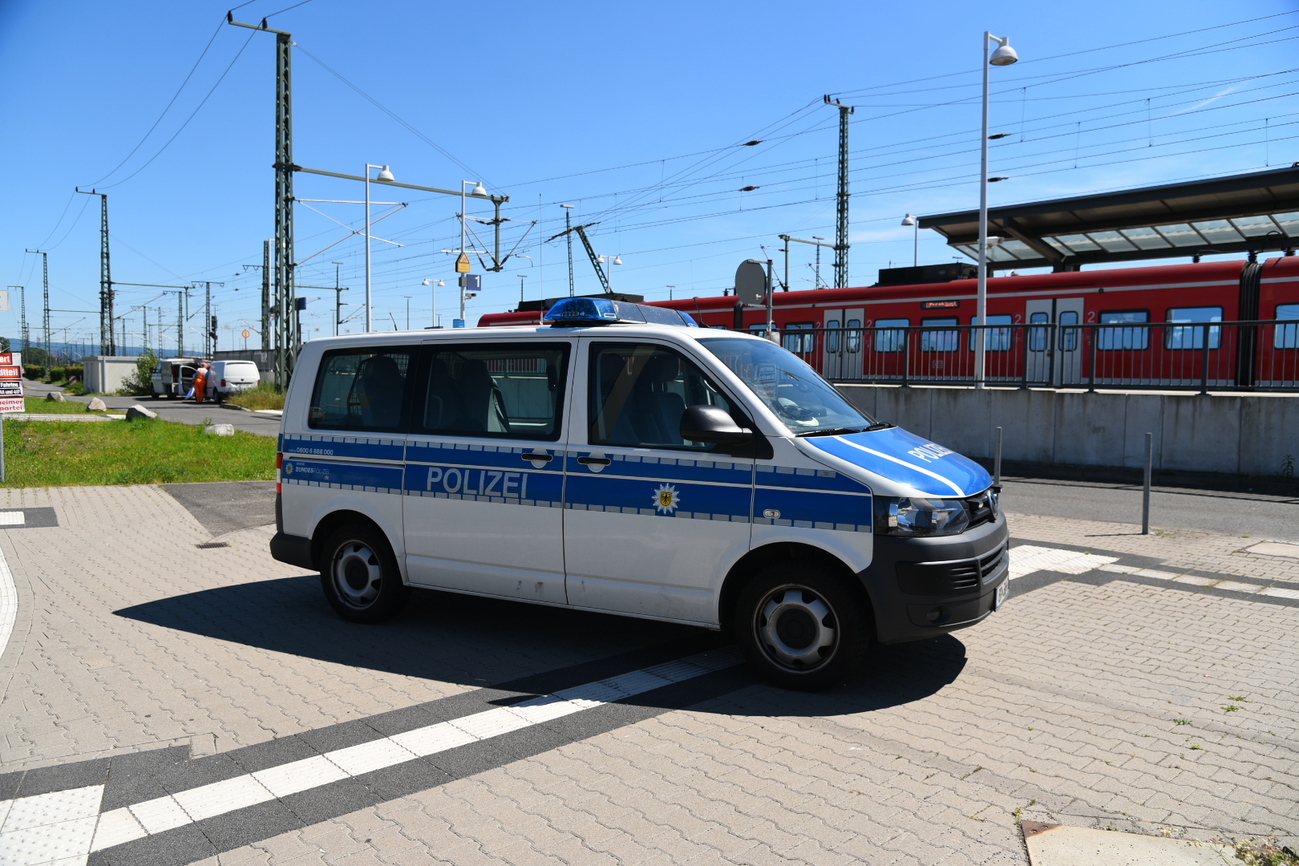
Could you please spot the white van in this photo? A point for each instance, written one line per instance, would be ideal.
(230, 377)
(614, 463)
(173, 377)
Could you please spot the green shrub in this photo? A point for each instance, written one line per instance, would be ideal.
(140, 383)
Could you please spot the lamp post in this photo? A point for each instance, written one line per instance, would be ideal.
(479, 191)
(386, 176)
(1003, 56)
(568, 232)
(912, 220)
(609, 262)
(433, 292)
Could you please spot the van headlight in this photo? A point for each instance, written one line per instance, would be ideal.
(911, 516)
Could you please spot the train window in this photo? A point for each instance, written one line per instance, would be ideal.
(936, 340)
(1069, 336)
(997, 339)
(1180, 337)
(1287, 336)
(1037, 336)
(1124, 338)
(890, 334)
(854, 335)
(799, 343)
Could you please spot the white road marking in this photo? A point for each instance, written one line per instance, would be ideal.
(12, 518)
(8, 606)
(158, 815)
(49, 829)
(1028, 558)
(64, 828)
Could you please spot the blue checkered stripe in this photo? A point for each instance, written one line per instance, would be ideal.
(482, 472)
(679, 487)
(368, 464)
(810, 499)
(345, 446)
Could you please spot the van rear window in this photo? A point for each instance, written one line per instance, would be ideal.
(361, 389)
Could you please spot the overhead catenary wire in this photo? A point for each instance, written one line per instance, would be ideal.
(689, 185)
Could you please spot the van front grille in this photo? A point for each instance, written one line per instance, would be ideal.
(950, 578)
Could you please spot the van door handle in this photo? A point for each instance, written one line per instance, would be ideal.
(594, 461)
(541, 458)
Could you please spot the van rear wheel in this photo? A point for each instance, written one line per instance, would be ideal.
(801, 628)
(360, 577)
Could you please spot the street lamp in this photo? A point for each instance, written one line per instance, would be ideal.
(610, 261)
(433, 291)
(911, 220)
(386, 176)
(1003, 56)
(479, 191)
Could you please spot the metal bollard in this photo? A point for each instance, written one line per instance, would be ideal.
(996, 461)
(1145, 493)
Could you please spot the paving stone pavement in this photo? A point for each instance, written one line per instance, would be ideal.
(139, 661)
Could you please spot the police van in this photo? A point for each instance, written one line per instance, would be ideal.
(620, 459)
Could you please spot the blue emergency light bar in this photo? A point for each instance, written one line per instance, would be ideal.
(572, 312)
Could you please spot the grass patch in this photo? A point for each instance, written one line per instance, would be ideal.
(264, 396)
(41, 406)
(147, 451)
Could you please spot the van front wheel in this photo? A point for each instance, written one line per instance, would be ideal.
(360, 577)
(801, 628)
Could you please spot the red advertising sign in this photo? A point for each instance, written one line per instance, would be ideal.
(11, 384)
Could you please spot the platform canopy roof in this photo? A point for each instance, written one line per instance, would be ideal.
(1255, 213)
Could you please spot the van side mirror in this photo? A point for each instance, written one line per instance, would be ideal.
(712, 424)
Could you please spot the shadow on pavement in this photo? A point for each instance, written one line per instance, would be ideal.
(528, 648)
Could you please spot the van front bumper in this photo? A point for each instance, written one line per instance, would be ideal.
(924, 587)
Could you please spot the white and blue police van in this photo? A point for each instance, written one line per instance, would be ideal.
(620, 459)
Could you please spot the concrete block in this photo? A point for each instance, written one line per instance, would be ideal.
(1140, 416)
(1201, 434)
(1269, 434)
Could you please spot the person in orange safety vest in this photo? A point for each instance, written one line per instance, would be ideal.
(200, 383)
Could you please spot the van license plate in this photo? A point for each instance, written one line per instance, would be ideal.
(999, 599)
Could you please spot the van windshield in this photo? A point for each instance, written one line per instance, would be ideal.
(807, 404)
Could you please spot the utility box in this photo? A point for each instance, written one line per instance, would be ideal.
(106, 373)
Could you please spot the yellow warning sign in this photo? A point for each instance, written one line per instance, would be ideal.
(462, 264)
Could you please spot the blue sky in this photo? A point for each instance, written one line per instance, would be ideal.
(635, 113)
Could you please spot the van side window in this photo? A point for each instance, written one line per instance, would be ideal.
(506, 390)
(638, 394)
(361, 389)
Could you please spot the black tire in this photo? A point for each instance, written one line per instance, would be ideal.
(801, 628)
(360, 577)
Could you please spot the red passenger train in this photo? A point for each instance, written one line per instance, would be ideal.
(1226, 324)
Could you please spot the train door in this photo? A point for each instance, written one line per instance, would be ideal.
(843, 344)
(1054, 354)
